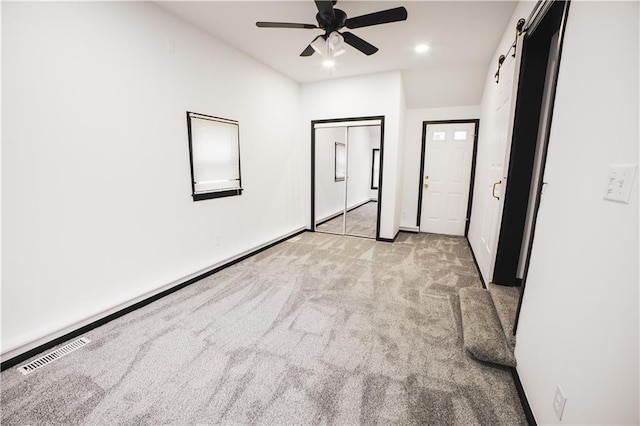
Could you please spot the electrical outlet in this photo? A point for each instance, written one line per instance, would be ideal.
(559, 400)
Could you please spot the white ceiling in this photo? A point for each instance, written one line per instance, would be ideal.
(462, 36)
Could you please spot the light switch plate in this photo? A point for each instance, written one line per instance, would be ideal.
(619, 182)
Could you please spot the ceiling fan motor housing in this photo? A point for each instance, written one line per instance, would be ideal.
(331, 23)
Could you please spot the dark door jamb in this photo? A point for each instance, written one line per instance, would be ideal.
(545, 146)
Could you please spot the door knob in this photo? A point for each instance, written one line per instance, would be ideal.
(426, 177)
(426, 185)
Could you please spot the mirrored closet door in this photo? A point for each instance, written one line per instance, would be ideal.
(346, 177)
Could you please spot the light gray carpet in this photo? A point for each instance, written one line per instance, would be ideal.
(361, 221)
(481, 328)
(505, 299)
(320, 329)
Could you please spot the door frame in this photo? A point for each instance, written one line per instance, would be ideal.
(312, 228)
(539, 30)
(528, 110)
(476, 130)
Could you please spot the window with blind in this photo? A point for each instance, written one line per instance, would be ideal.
(214, 146)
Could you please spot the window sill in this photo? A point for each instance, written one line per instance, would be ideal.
(217, 194)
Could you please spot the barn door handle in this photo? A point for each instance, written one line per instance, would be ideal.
(493, 191)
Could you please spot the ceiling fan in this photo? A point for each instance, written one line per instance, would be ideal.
(331, 20)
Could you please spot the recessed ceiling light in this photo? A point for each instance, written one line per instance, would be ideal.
(421, 48)
(328, 63)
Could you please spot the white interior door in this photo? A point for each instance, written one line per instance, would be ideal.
(493, 202)
(447, 176)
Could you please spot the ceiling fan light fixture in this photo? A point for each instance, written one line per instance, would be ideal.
(335, 41)
(319, 45)
(331, 20)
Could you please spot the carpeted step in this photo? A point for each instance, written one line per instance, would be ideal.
(505, 299)
(481, 329)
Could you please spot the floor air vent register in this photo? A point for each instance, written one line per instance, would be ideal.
(52, 356)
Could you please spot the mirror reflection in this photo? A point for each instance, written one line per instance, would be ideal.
(347, 175)
(330, 187)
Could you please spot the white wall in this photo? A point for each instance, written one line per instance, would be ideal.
(432, 86)
(579, 322)
(359, 166)
(413, 150)
(96, 194)
(369, 95)
(400, 159)
(329, 192)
